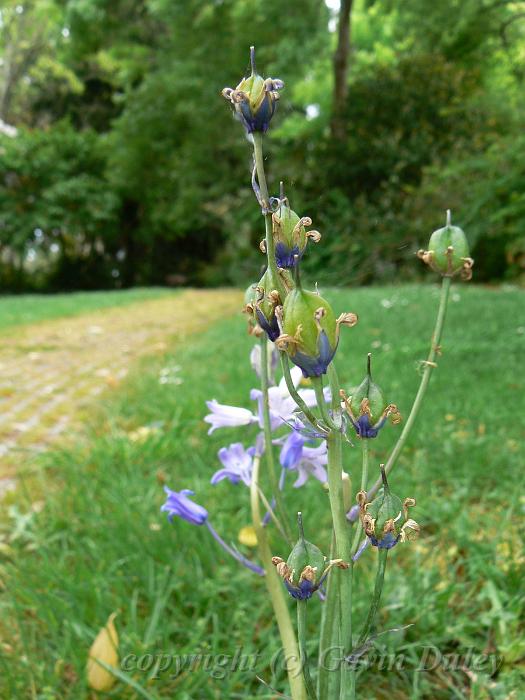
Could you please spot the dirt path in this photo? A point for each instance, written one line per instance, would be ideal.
(50, 371)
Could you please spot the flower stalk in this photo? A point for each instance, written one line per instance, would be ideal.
(301, 634)
(364, 482)
(382, 555)
(276, 593)
(306, 331)
(429, 365)
(268, 445)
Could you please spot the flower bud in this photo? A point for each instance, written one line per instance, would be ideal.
(289, 233)
(385, 519)
(367, 407)
(250, 302)
(254, 99)
(310, 331)
(306, 567)
(270, 293)
(448, 252)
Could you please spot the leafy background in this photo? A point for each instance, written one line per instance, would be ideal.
(126, 168)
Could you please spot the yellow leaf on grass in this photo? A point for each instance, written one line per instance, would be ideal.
(247, 536)
(105, 649)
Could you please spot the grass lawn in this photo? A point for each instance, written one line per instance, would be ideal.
(30, 308)
(86, 537)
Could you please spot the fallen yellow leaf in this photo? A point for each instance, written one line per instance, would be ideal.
(247, 536)
(105, 649)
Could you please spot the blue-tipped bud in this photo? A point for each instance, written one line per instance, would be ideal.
(367, 408)
(306, 567)
(448, 252)
(250, 303)
(385, 519)
(289, 233)
(309, 330)
(270, 293)
(254, 100)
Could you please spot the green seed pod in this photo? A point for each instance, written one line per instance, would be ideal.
(367, 407)
(250, 302)
(303, 555)
(448, 252)
(306, 568)
(385, 519)
(310, 331)
(254, 99)
(270, 292)
(289, 233)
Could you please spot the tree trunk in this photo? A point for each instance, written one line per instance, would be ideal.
(338, 122)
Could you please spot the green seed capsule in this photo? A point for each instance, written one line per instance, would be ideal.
(270, 294)
(367, 408)
(448, 252)
(385, 519)
(254, 100)
(310, 331)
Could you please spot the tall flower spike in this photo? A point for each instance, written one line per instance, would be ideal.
(385, 520)
(306, 567)
(448, 252)
(289, 232)
(254, 100)
(367, 408)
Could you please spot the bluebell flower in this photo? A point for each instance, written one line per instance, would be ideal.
(283, 408)
(237, 462)
(282, 405)
(306, 461)
(178, 504)
(223, 416)
(292, 450)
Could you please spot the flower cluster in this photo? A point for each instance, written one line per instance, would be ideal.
(298, 454)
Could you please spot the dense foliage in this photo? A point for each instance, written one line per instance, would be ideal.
(123, 169)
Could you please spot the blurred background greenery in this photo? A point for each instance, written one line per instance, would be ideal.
(119, 164)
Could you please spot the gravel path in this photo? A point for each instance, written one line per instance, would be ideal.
(50, 371)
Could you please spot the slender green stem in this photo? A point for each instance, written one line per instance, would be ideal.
(427, 371)
(335, 386)
(268, 445)
(301, 634)
(261, 178)
(378, 589)
(342, 551)
(364, 482)
(294, 394)
(326, 643)
(276, 592)
(317, 383)
(343, 588)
